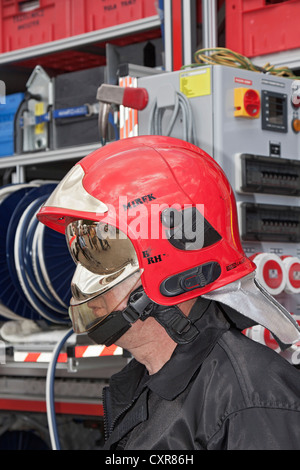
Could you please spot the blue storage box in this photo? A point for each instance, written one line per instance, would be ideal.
(7, 115)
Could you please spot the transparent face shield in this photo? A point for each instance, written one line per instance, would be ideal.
(107, 272)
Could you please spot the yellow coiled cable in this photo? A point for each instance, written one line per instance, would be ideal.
(227, 57)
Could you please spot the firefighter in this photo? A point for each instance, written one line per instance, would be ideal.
(169, 282)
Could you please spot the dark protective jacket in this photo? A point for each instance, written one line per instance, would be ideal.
(221, 391)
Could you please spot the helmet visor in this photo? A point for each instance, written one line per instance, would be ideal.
(107, 270)
(99, 247)
(87, 315)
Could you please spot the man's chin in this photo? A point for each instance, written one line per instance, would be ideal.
(124, 340)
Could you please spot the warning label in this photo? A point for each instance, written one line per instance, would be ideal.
(243, 81)
(194, 84)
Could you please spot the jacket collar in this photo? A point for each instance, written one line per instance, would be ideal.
(177, 373)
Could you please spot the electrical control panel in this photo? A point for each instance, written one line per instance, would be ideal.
(249, 123)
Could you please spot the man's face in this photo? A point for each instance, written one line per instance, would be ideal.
(116, 298)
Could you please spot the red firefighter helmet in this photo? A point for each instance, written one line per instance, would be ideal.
(171, 205)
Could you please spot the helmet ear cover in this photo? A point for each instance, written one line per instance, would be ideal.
(194, 278)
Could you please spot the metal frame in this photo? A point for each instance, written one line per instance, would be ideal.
(180, 33)
(80, 40)
(210, 23)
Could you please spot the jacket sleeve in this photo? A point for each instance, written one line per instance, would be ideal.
(258, 428)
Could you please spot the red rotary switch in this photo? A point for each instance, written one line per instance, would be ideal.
(252, 103)
(247, 103)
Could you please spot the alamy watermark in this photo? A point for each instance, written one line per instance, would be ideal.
(147, 220)
(155, 221)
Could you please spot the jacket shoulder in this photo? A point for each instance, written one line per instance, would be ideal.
(253, 397)
(262, 375)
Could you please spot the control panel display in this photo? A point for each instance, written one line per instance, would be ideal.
(274, 111)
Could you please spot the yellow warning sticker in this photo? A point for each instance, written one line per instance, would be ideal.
(194, 83)
(39, 111)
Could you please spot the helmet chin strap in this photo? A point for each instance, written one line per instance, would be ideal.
(179, 327)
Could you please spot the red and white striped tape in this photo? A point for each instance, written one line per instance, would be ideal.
(80, 352)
